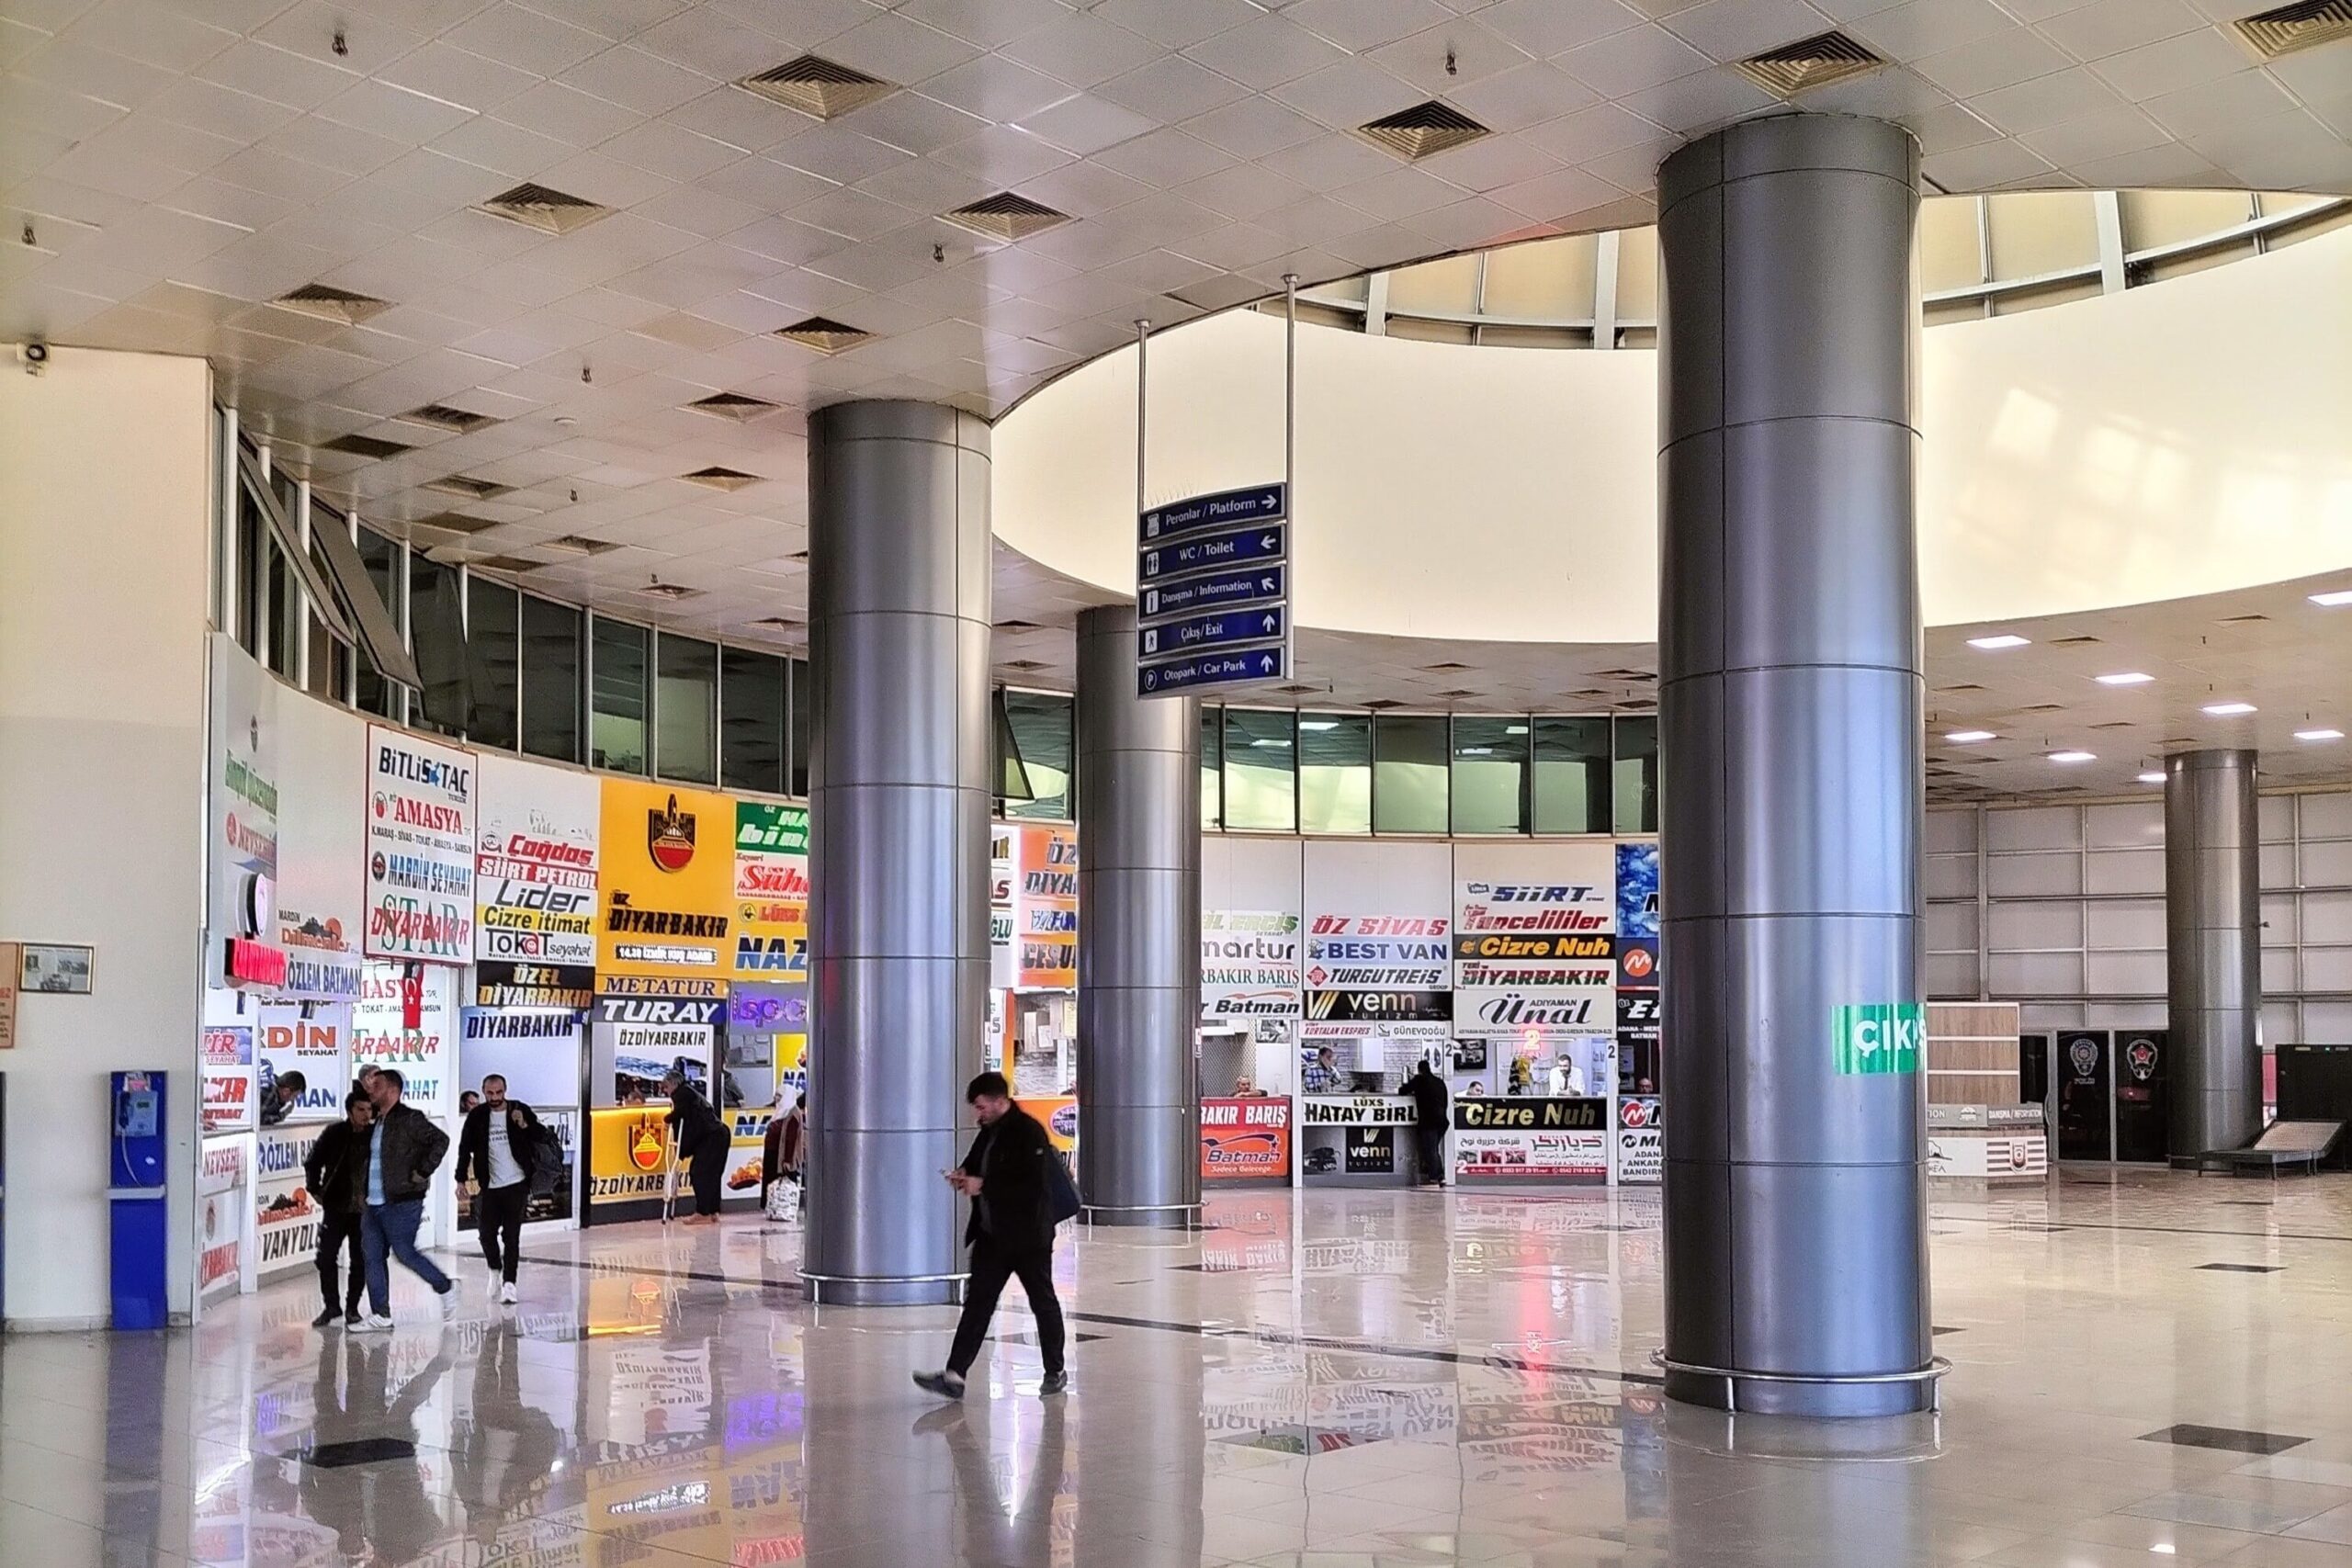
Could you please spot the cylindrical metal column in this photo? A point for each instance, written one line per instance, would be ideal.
(1791, 773)
(898, 622)
(2214, 949)
(1138, 936)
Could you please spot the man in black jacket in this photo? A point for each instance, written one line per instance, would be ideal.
(1011, 1233)
(702, 1138)
(1432, 1108)
(335, 1174)
(496, 1147)
(401, 1156)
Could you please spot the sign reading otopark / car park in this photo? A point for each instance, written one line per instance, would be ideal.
(666, 868)
(1213, 591)
(420, 799)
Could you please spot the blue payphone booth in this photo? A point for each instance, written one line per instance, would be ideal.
(139, 1231)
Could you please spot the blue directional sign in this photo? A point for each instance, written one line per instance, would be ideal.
(1185, 556)
(1223, 630)
(1226, 509)
(1195, 670)
(1232, 589)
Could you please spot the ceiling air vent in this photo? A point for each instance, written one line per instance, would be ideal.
(1016, 625)
(1382, 704)
(738, 406)
(578, 544)
(2242, 620)
(454, 523)
(2289, 29)
(1448, 664)
(2042, 707)
(1298, 691)
(1416, 132)
(365, 446)
(670, 591)
(2071, 641)
(819, 89)
(332, 304)
(1005, 216)
(2114, 724)
(721, 478)
(1459, 695)
(447, 418)
(472, 489)
(509, 564)
(824, 334)
(1808, 64)
(1024, 664)
(777, 623)
(548, 211)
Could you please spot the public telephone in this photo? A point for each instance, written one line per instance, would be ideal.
(134, 1114)
(138, 1238)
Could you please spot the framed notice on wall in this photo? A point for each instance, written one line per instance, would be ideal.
(55, 970)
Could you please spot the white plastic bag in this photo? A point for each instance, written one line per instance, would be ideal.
(783, 1200)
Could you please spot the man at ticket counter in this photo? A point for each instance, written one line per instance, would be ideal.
(1432, 1109)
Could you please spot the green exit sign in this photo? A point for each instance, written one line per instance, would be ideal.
(1879, 1037)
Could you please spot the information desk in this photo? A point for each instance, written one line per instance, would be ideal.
(1523, 1139)
(1987, 1143)
(1245, 1138)
(1356, 1140)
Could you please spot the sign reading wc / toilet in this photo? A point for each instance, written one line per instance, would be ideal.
(1213, 591)
(1879, 1037)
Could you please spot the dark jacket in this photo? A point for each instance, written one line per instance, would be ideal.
(473, 1140)
(413, 1148)
(692, 1116)
(785, 1145)
(336, 1170)
(1015, 1209)
(1431, 1102)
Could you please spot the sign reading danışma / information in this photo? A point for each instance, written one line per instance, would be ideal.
(1879, 1037)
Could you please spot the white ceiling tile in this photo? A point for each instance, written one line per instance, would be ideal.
(1235, 246)
(926, 186)
(1265, 52)
(1361, 26)
(606, 180)
(1448, 58)
(2173, 164)
(37, 108)
(1253, 126)
(2045, 101)
(719, 53)
(493, 144)
(1994, 60)
(1700, 101)
(2110, 27)
(1986, 164)
(1244, 191)
(786, 239)
(1082, 49)
(394, 112)
(645, 83)
(567, 114)
(174, 41)
(1889, 93)
(765, 183)
(1171, 90)
(1545, 28)
(2246, 96)
(1515, 99)
(1400, 193)
(1949, 127)
(839, 153)
(898, 50)
(988, 23)
(1555, 194)
(994, 88)
(1082, 189)
(1084, 124)
(1625, 62)
(2154, 69)
(852, 213)
(1494, 162)
(659, 148)
(526, 39)
(1328, 161)
(459, 76)
(2105, 133)
(96, 72)
(1922, 27)
(1347, 94)
(1165, 158)
(1003, 155)
(1733, 29)
(913, 122)
(1177, 24)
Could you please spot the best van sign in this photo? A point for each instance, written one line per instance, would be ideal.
(1879, 1037)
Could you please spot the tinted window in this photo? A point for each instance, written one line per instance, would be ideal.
(438, 637)
(1572, 761)
(1334, 772)
(1409, 785)
(493, 636)
(686, 709)
(750, 706)
(1261, 771)
(1489, 776)
(617, 718)
(1041, 728)
(551, 678)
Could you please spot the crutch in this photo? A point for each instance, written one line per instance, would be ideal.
(669, 1175)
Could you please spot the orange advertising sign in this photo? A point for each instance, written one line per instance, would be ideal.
(1245, 1138)
(1045, 910)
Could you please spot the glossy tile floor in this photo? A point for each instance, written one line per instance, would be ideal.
(1350, 1379)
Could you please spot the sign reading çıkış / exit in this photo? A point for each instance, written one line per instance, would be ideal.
(1878, 1037)
(1212, 600)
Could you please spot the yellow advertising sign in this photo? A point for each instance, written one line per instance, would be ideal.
(629, 1154)
(666, 881)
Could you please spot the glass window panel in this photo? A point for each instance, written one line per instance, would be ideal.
(1334, 772)
(685, 700)
(1343, 289)
(551, 634)
(1638, 274)
(438, 637)
(2041, 230)
(2325, 218)
(1041, 729)
(1450, 286)
(1327, 316)
(2041, 299)
(616, 721)
(284, 613)
(1535, 337)
(1409, 773)
(1260, 772)
(751, 705)
(1637, 337)
(382, 556)
(494, 633)
(1212, 768)
(1637, 782)
(2194, 261)
(252, 573)
(1430, 331)
(1952, 252)
(2154, 218)
(1572, 764)
(1551, 280)
(1969, 309)
(802, 697)
(1490, 775)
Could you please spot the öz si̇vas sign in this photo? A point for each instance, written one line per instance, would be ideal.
(420, 848)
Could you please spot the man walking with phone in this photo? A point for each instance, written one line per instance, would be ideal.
(1011, 1175)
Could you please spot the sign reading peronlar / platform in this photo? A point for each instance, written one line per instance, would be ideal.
(1879, 1037)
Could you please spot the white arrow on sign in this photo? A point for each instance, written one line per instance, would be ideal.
(1270, 624)
(1267, 543)
(1267, 663)
(1265, 585)
(1270, 499)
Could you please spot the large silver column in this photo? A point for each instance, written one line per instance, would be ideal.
(2214, 949)
(899, 594)
(1138, 936)
(1791, 762)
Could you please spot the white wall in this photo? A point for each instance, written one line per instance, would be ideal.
(105, 465)
(2179, 439)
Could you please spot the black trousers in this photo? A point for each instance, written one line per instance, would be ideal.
(709, 1168)
(1431, 1144)
(340, 1233)
(498, 1216)
(992, 1266)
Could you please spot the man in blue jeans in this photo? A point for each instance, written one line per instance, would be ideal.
(401, 1156)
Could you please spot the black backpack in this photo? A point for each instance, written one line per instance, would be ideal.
(544, 1157)
(1061, 1192)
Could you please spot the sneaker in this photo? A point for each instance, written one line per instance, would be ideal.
(947, 1385)
(1055, 1382)
(506, 1294)
(449, 1300)
(326, 1319)
(372, 1324)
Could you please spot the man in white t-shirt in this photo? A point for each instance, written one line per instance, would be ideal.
(495, 1150)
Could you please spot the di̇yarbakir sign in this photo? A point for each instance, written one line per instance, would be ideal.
(421, 800)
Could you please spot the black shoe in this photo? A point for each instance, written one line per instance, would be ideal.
(1055, 1382)
(326, 1319)
(353, 1313)
(947, 1385)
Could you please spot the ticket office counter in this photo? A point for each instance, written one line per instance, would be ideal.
(1531, 1141)
(1356, 1140)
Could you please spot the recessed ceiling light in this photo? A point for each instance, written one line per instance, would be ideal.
(2074, 756)
(2229, 710)
(1477, 751)
(2319, 735)
(1970, 736)
(1319, 724)
(2125, 678)
(1269, 740)
(1992, 644)
(2152, 777)
(2333, 597)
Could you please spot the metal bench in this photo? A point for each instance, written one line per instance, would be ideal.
(2284, 1146)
